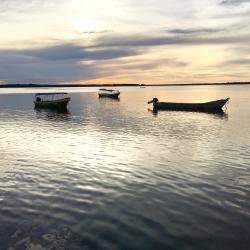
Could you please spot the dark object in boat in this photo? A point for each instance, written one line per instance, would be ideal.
(56, 101)
(111, 93)
(213, 106)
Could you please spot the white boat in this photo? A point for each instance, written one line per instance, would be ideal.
(57, 101)
(111, 93)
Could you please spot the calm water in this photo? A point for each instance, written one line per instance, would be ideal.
(113, 175)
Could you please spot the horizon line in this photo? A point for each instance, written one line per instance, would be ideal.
(34, 85)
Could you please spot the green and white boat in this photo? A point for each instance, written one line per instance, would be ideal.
(57, 101)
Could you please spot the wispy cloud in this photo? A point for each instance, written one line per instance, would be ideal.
(239, 61)
(234, 2)
(96, 32)
(75, 52)
(195, 31)
(16, 6)
(148, 41)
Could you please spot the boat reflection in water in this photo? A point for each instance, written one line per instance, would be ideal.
(109, 100)
(53, 114)
(216, 113)
(52, 101)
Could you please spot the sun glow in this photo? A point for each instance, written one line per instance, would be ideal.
(84, 25)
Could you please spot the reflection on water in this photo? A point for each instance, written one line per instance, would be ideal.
(53, 114)
(104, 99)
(218, 113)
(110, 175)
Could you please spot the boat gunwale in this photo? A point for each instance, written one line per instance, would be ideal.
(61, 100)
(51, 93)
(195, 103)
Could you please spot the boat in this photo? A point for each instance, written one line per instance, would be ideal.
(212, 106)
(111, 93)
(57, 101)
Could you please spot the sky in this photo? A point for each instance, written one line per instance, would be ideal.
(124, 41)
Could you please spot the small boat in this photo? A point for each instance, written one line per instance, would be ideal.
(213, 106)
(111, 93)
(57, 101)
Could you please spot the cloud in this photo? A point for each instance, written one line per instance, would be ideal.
(234, 2)
(27, 70)
(190, 31)
(141, 65)
(66, 62)
(172, 62)
(16, 6)
(108, 56)
(239, 62)
(69, 52)
(150, 41)
(91, 32)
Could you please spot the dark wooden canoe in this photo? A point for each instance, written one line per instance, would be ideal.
(213, 106)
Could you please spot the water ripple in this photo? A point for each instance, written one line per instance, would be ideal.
(112, 175)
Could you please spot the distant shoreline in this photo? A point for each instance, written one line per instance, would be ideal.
(116, 85)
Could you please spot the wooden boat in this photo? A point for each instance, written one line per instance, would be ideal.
(57, 101)
(213, 106)
(111, 93)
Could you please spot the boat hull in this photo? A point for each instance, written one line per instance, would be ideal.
(60, 104)
(214, 106)
(114, 96)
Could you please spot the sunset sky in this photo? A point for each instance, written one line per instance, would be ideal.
(125, 41)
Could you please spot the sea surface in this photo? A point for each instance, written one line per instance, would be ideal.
(112, 174)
